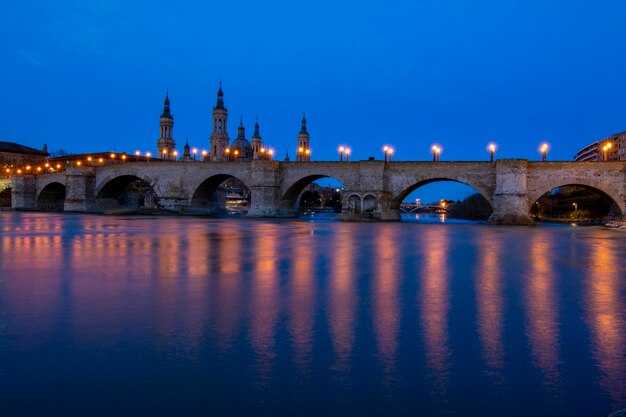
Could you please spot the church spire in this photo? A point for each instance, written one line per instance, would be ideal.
(256, 130)
(166, 106)
(241, 131)
(303, 130)
(220, 98)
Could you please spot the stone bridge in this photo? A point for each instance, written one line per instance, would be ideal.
(377, 188)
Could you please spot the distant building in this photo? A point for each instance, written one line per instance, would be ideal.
(616, 149)
(220, 147)
(14, 155)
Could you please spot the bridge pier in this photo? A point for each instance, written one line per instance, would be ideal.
(24, 192)
(387, 208)
(510, 200)
(80, 190)
(265, 198)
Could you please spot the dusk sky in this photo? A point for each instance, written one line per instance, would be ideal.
(90, 76)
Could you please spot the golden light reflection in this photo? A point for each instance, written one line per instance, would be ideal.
(342, 297)
(385, 296)
(542, 310)
(302, 297)
(605, 317)
(490, 300)
(265, 296)
(434, 303)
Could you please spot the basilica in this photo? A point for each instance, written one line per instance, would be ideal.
(221, 148)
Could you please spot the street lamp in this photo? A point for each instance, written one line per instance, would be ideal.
(194, 152)
(436, 151)
(341, 151)
(492, 151)
(575, 206)
(204, 154)
(175, 155)
(387, 151)
(308, 155)
(544, 151)
(605, 149)
(347, 152)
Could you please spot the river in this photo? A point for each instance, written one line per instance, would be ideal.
(136, 315)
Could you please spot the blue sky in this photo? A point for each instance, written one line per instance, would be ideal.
(91, 75)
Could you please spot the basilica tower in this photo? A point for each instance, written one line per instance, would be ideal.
(256, 142)
(219, 136)
(166, 142)
(303, 152)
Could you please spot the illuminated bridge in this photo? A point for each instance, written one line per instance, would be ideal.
(373, 188)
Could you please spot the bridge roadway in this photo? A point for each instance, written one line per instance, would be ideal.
(375, 189)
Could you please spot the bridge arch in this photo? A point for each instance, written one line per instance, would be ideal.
(616, 201)
(5, 197)
(289, 202)
(208, 198)
(483, 191)
(126, 192)
(51, 197)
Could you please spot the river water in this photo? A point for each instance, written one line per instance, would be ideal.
(103, 315)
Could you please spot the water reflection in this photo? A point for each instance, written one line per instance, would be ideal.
(304, 315)
(541, 308)
(264, 305)
(434, 304)
(385, 297)
(490, 300)
(302, 297)
(606, 318)
(342, 298)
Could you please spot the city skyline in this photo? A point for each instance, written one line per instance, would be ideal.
(91, 77)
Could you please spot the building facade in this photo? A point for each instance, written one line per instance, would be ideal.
(612, 148)
(13, 155)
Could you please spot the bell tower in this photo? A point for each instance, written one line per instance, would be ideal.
(256, 142)
(219, 137)
(166, 142)
(303, 152)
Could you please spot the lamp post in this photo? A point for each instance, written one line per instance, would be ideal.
(575, 206)
(436, 151)
(175, 155)
(341, 151)
(347, 152)
(492, 151)
(544, 152)
(388, 152)
(307, 154)
(605, 150)
(227, 154)
(204, 154)
(194, 152)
